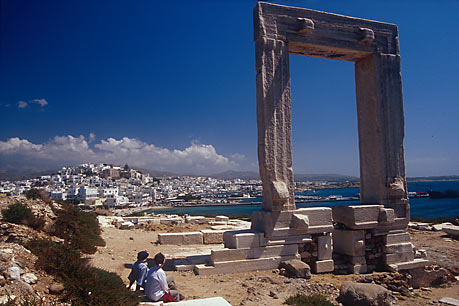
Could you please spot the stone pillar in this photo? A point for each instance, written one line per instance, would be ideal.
(274, 124)
(381, 132)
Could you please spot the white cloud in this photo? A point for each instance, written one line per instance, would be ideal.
(195, 159)
(22, 104)
(41, 102)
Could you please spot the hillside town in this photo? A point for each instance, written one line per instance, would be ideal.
(112, 186)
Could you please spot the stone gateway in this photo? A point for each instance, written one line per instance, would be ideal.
(347, 239)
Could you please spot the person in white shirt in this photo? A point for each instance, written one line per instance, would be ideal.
(156, 287)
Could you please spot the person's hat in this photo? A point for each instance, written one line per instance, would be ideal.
(142, 255)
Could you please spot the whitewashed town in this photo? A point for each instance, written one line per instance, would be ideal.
(113, 186)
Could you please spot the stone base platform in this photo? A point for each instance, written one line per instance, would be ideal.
(236, 266)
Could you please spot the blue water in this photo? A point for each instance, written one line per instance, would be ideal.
(420, 207)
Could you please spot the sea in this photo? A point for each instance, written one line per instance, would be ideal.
(419, 207)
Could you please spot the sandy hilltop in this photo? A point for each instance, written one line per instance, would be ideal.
(270, 287)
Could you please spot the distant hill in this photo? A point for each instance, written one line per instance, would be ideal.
(232, 174)
(433, 178)
(249, 175)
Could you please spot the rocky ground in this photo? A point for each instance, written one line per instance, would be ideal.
(269, 287)
(18, 275)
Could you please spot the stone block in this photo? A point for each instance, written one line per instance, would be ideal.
(293, 223)
(357, 216)
(357, 260)
(181, 238)
(171, 220)
(398, 248)
(398, 257)
(349, 242)
(222, 219)
(357, 269)
(397, 238)
(196, 220)
(323, 266)
(253, 253)
(212, 236)
(242, 239)
(324, 247)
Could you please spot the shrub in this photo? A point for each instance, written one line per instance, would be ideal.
(21, 214)
(34, 193)
(84, 284)
(16, 213)
(79, 229)
(308, 300)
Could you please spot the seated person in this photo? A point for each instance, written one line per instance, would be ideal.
(156, 287)
(139, 271)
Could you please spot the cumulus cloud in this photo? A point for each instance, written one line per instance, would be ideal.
(195, 159)
(22, 104)
(41, 102)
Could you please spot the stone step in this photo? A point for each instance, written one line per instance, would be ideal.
(253, 253)
(246, 265)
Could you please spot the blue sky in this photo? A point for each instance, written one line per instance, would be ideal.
(170, 85)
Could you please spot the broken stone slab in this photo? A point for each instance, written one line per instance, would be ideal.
(452, 230)
(253, 253)
(439, 227)
(360, 294)
(212, 236)
(323, 266)
(296, 268)
(127, 225)
(349, 242)
(421, 277)
(449, 301)
(246, 265)
(242, 239)
(181, 238)
(416, 263)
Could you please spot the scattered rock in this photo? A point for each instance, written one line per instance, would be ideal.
(421, 277)
(14, 272)
(25, 288)
(29, 278)
(296, 268)
(358, 294)
(56, 288)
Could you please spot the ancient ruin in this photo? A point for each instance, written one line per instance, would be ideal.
(345, 239)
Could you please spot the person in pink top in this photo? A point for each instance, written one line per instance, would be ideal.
(156, 287)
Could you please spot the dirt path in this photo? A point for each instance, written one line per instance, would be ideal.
(265, 287)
